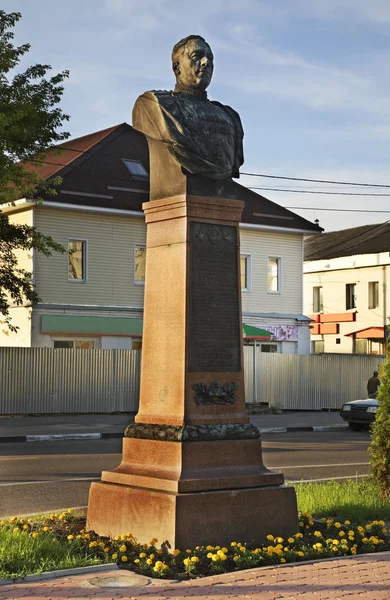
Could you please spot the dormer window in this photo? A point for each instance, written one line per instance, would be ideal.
(136, 168)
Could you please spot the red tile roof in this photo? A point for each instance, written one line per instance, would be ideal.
(54, 161)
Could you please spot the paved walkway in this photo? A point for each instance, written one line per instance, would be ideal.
(114, 425)
(365, 577)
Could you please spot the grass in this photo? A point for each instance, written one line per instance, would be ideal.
(334, 521)
(356, 500)
(22, 554)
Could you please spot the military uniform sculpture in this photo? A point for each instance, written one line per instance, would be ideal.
(204, 136)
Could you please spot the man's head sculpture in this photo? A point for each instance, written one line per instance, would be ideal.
(193, 62)
(204, 136)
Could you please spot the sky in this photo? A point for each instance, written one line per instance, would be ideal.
(309, 78)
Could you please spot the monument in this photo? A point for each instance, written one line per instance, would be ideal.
(192, 470)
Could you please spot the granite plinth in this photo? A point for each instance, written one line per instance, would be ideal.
(192, 519)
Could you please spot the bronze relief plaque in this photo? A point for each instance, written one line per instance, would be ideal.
(214, 315)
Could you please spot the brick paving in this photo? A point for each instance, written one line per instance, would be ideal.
(364, 577)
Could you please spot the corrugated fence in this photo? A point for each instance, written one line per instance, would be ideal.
(307, 382)
(44, 380)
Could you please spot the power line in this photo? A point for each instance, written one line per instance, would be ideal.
(315, 192)
(316, 180)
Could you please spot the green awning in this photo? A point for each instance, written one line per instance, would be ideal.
(80, 325)
(252, 332)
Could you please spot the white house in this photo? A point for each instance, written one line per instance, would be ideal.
(346, 281)
(92, 296)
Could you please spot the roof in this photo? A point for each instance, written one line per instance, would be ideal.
(368, 333)
(94, 174)
(367, 239)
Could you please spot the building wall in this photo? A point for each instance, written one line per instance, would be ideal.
(20, 316)
(260, 245)
(333, 275)
(111, 244)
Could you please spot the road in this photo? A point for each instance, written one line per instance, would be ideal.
(44, 476)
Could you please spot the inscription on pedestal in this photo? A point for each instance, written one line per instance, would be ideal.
(214, 320)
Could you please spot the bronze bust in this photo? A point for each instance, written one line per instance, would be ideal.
(204, 136)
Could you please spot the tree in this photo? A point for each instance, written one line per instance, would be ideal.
(380, 439)
(30, 122)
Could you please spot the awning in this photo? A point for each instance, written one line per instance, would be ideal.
(369, 333)
(91, 325)
(255, 333)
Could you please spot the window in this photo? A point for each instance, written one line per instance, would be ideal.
(373, 294)
(139, 264)
(136, 168)
(274, 274)
(75, 344)
(350, 296)
(77, 260)
(318, 304)
(269, 348)
(319, 346)
(361, 347)
(338, 340)
(246, 272)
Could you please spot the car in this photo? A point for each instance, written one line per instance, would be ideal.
(359, 413)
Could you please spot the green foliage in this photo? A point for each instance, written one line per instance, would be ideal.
(29, 123)
(380, 441)
(354, 499)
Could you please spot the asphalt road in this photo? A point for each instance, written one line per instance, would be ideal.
(47, 476)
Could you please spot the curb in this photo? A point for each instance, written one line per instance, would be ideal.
(58, 437)
(60, 573)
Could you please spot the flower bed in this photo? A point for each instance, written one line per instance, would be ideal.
(323, 538)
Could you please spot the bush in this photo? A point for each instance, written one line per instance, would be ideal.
(380, 442)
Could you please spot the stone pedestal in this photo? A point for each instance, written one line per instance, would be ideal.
(192, 470)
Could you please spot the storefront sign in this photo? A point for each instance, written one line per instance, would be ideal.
(282, 333)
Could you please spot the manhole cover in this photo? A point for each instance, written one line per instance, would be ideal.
(119, 581)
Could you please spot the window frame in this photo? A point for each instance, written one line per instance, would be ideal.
(248, 271)
(279, 263)
(84, 258)
(75, 339)
(375, 296)
(320, 299)
(136, 176)
(136, 246)
(348, 304)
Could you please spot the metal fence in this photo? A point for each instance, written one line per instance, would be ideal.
(306, 382)
(47, 380)
(44, 380)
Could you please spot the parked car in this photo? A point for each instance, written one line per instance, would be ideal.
(359, 413)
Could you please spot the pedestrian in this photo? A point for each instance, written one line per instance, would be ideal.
(372, 385)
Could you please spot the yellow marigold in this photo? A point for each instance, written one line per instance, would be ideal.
(187, 561)
(151, 555)
(338, 525)
(159, 551)
(347, 522)
(209, 547)
(158, 564)
(236, 558)
(381, 523)
(351, 533)
(194, 559)
(299, 536)
(215, 557)
(92, 544)
(282, 560)
(176, 552)
(233, 544)
(46, 529)
(117, 538)
(291, 540)
(136, 561)
(106, 549)
(341, 533)
(26, 526)
(34, 534)
(141, 554)
(152, 542)
(149, 561)
(225, 550)
(300, 524)
(124, 558)
(123, 548)
(209, 555)
(299, 553)
(270, 538)
(70, 537)
(242, 549)
(188, 551)
(280, 540)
